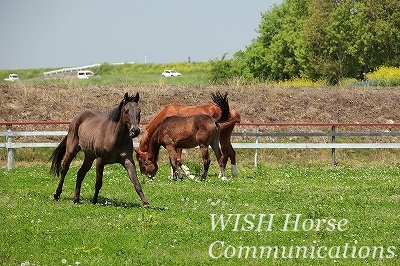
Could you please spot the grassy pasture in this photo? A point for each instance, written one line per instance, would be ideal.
(364, 190)
(125, 74)
(177, 230)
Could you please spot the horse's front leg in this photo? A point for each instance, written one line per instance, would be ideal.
(99, 179)
(173, 159)
(129, 165)
(184, 168)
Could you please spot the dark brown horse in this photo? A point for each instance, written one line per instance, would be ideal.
(106, 139)
(181, 110)
(177, 132)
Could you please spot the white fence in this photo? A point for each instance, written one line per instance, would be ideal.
(328, 142)
(71, 69)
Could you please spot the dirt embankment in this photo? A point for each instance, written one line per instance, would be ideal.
(52, 102)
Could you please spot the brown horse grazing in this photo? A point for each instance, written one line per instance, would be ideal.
(180, 110)
(185, 132)
(108, 139)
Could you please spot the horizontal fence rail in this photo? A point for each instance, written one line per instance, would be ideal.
(330, 135)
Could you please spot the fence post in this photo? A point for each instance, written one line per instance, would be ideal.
(333, 149)
(10, 151)
(256, 151)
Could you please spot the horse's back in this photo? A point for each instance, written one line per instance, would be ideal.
(92, 114)
(208, 109)
(190, 122)
(183, 110)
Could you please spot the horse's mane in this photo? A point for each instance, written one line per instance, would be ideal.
(114, 114)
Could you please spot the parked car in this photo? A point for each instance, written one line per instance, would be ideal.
(12, 77)
(85, 74)
(170, 73)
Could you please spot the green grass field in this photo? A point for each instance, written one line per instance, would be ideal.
(193, 74)
(360, 206)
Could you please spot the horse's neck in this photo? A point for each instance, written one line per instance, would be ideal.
(153, 147)
(144, 141)
(152, 127)
(119, 130)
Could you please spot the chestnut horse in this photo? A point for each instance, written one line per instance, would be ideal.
(181, 110)
(177, 132)
(106, 139)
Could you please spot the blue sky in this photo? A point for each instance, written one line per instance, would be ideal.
(49, 33)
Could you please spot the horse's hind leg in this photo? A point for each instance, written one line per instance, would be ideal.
(87, 163)
(99, 179)
(68, 157)
(220, 157)
(228, 152)
(206, 161)
(227, 149)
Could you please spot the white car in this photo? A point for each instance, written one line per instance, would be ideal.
(12, 77)
(170, 73)
(85, 74)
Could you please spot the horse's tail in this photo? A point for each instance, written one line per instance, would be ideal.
(222, 102)
(57, 156)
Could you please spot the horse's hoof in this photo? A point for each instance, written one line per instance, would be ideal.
(234, 170)
(224, 178)
(56, 197)
(76, 201)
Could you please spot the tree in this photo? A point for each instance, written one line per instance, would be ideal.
(346, 38)
(328, 39)
(276, 54)
(379, 38)
(221, 70)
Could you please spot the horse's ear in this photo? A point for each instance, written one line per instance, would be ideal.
(126, 97)
(136, 99)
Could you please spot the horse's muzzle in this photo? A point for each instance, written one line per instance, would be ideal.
(134, 132)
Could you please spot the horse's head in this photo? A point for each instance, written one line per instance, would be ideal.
(130, 114)
(148, 166)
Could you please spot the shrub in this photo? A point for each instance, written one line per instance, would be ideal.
(299, 82)
(384, 76)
